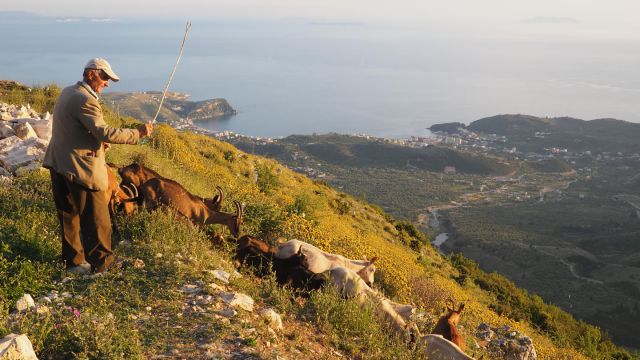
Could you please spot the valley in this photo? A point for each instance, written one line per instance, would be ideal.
(558, 219)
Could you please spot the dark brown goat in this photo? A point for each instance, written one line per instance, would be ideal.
(160, 191)
(136, 174)
(119, 195)
(291, 271)
(447, 326)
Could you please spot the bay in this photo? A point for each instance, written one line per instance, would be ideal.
(301, 76)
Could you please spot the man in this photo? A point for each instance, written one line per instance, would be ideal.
(75, 159)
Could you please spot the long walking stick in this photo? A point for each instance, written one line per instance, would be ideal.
(175, 66)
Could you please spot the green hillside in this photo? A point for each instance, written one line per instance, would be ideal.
(574, 134)
(143, 106)
(140, 312)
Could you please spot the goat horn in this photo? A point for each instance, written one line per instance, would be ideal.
(127, 190)
(135, 189)
(221, 192)
(450, 301)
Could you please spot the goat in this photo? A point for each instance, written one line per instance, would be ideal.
(160, 191)
(437, 347)
(351, 285)
(320, 261)
(447, 325)
(261, 256)
(119, 195)
(136, 175)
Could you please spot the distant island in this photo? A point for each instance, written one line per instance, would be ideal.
(177, 108)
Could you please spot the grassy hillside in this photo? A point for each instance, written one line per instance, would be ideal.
(139, 312)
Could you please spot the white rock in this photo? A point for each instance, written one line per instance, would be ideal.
(17, 347)
(273, 318)
(6, 131)
(9, 143)
(23, 112)
(5, 116)
(221, 275)
(47, 116)
(25, 131)
(240, 300)
(41, 127)
(14, 155)
(228, 313)
(191, 289)
(25, 303)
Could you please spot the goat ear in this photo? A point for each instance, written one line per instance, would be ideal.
(460, 308)
(373, 259)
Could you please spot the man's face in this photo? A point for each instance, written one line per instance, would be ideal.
(98, 80)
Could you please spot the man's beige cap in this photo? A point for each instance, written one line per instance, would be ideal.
(102, 64)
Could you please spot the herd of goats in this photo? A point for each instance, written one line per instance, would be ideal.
(295, 263)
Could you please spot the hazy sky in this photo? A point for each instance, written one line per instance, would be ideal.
(621, 12)
(506, 18)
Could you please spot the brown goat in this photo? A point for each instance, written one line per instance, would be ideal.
(160, 191)
(119, 195)
(447, 326)
(136, 174)
(291, 271)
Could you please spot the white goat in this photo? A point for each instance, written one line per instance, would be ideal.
(349, 284)
(439, 348)
(321, 261)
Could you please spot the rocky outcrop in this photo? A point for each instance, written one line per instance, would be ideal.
(505, 343)
(24, 137)
(209, 109)
(17, 347)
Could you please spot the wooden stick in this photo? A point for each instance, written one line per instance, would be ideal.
(164, 93)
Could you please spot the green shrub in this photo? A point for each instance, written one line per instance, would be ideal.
(267, 180)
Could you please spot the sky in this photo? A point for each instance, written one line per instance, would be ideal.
(617, 18)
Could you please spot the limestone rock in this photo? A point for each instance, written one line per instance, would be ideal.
(6, 131)
(273, 318)
(221, 275)
(7, 144)
(17, 347)
(240, 300)
(515, 351)
(25, 303)
(5, 116)
(42, 127)
(18, 154)
(25, 131)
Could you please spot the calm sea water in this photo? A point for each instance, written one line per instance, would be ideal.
(301, 76)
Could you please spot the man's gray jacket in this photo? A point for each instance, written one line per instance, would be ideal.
(79, 131)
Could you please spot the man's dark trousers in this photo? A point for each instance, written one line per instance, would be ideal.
(85, 222)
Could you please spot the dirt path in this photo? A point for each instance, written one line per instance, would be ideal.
(571, 266)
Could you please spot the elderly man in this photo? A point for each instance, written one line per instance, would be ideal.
(75, 158)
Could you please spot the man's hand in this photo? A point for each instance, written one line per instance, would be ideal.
(145, 129)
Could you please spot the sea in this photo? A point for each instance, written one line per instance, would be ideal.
(304, 76)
